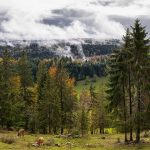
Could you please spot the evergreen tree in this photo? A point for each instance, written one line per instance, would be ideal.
(128, 70)
(41, 97)
(5, 88)
(140, 61)
(117, 82)
(127, 51)
(26, 82)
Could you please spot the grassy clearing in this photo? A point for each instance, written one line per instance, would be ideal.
(94, 143)
(100, 83)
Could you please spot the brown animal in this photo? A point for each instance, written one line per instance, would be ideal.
(40, 141)
(21, 133)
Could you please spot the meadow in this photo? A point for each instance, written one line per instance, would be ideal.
(91, 142)
(98, 84)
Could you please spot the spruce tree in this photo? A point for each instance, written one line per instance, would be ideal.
(5, 88)
(26, 81)
(140, 61)
(42, 104)
(128, 70)
(116, 86)
(127, 51)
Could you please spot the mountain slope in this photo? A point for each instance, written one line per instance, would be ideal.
(75, 49)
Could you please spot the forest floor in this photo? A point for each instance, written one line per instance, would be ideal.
(94, 142)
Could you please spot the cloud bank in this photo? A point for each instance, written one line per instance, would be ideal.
(67, 19)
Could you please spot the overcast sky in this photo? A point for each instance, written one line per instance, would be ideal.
(66, 19)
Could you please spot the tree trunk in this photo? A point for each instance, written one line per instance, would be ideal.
(83, 132)
(55, 130)
(130, 104)
(26, 107)
(62, 130)
(62, 108)
(100, 130)
(44, 131)
(138, 114)
(26, 122)
(49, 120)
(125, 114)
(103, 131)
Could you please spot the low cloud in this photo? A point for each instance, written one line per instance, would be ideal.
(67, 19)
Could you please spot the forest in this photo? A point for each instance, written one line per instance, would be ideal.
(36, 50)
(41, 96)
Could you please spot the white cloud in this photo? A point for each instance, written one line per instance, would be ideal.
(23, 19)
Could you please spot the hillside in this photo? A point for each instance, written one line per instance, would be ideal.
(82, 49)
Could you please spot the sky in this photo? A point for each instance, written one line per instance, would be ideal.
(70, 19)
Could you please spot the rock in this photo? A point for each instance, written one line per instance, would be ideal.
(76, 136)
(90, 145)
(35, 144)
(58, 145)
(69, 135)
(63, 136)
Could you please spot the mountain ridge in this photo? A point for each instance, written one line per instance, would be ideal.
(73, 48)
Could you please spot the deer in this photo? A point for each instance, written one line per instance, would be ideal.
(21, 133)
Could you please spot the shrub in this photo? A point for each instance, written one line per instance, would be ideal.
(75, 132)
(8, 140)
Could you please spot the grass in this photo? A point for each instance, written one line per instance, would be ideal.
(100, 83)
(94, 142)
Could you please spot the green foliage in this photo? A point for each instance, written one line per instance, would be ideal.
(25, 83)
(5, 88)
(84, 122)
(128, 76)
(42, 105)
(25, 71)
